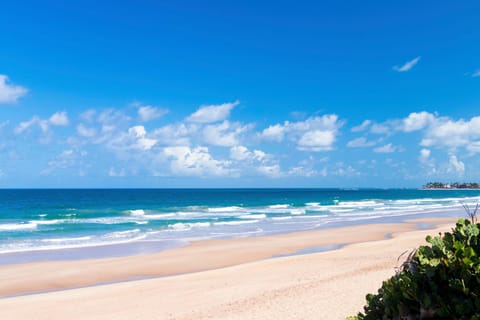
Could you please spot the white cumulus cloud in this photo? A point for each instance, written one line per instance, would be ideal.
(316, 140)
(445, 132)
(134, 139)
(313, 134)
(241, 153)
(225, 134)
(195, 162)
(274, 133)
(59, 119)
(417, 121)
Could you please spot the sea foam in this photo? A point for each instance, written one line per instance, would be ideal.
(18, 226)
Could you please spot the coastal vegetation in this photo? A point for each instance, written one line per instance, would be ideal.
(437, 281)
(455, 185)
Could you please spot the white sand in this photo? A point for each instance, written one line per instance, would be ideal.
(240, 281)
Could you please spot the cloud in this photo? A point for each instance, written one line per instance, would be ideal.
(316, 140)
(195, 162)
(88, 115)
(445, 132)
(86, 132)
(111, 119)
(417, 121)
(66, 159)
(437, 131)
(365, 124)
(360, 143)
(149, 113)
(345, 170)
(59, 119)
(175, 134)
(241, 153)
(476, 74)
(134, 139)
(212, 113)
(313, 134)
(388, 148)
(455, 165)
(377, 128)
(427, 162)
(10, 93)
(408, 65)
(424, 154)
(271, 171)
(225, 134)
(274, 133)
(25, 125)
(56, 119)
(300, 171)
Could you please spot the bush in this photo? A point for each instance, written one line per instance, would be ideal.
(438, 281)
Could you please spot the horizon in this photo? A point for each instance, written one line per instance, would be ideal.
(250, 95)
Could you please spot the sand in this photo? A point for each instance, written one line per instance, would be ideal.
(219, 279)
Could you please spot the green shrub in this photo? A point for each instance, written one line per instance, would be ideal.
(438, 281)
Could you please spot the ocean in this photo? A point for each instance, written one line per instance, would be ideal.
(36, 223)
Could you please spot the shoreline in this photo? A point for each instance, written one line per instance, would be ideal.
(142, 247)
(223, 279)
(37, 277)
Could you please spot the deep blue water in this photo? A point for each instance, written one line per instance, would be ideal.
(69, 218)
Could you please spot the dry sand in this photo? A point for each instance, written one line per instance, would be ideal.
(219, 279)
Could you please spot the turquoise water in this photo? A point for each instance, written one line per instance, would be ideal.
(33, 220)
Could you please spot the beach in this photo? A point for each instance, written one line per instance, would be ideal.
(318, 274)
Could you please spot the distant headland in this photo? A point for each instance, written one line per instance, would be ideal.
(455, 185)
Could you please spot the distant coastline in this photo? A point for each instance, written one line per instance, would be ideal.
(451, 186)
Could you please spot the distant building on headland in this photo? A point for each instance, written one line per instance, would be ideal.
(456, 185)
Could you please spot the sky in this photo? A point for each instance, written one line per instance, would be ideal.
(161, 94)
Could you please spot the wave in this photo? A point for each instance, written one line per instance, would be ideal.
(68, 243)
(137, 212)
(18, 226)
(180, 226)
(297, 211)
(253, 216)
(234, 223)
(312, 204)
(225, 209)
(364, 203)
(55, 221)
(279, 206)
(67, 239)
(159, 216)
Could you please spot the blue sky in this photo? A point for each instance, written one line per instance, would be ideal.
(245, 94)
